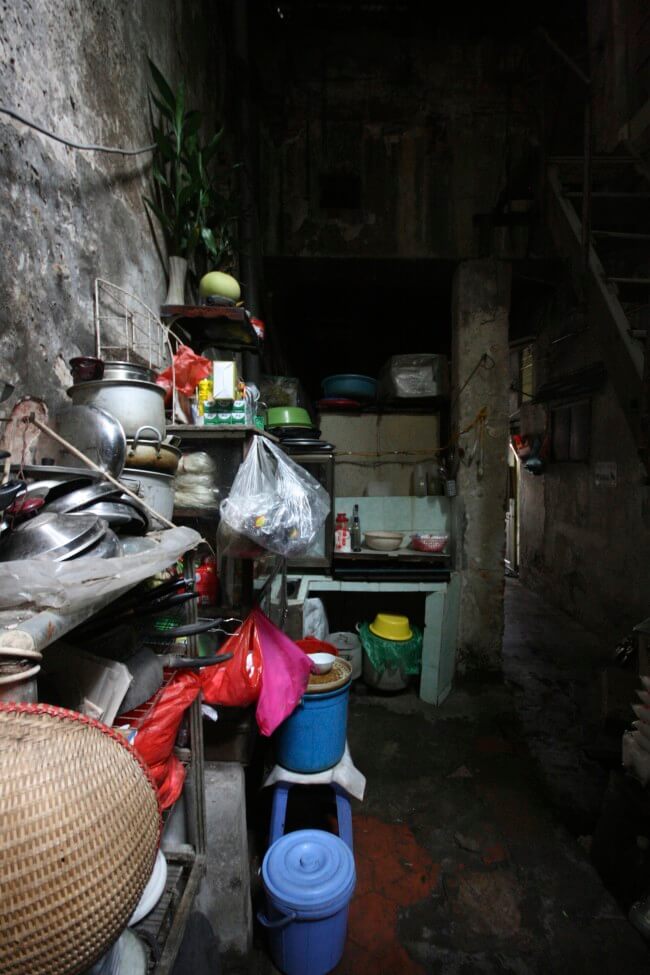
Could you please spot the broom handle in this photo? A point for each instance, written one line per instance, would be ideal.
(95, 467)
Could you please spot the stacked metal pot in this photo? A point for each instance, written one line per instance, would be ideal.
(128, 391)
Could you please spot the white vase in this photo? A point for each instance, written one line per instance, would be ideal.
(177, 275)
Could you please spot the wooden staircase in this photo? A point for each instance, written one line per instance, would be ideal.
(609, 259)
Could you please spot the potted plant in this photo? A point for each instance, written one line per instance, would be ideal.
(195, 218)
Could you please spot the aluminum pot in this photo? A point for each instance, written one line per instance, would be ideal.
(18, 681)
(135, 404)
(127, 370)
(156, 489)
(151, 454)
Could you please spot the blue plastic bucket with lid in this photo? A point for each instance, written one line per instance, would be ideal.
(309, 878)
(312, 739)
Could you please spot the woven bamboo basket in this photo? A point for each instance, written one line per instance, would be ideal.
(79, 831)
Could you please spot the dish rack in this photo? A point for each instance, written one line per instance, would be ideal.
(127, 330)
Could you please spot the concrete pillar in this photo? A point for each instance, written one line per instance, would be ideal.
(225, 894)
(480, 310)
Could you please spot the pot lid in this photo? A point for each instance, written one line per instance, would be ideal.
(55, 536)
(308, 870)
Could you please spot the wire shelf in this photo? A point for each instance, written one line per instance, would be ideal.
(128, 330)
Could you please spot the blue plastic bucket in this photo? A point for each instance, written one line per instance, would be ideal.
(312, 739)
(309, 878)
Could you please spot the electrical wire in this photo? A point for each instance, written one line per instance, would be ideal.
(74, 145)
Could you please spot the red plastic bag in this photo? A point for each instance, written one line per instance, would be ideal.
(237, 682)
(169, 777)
(156, 736)
(267, 666)
(189, 370)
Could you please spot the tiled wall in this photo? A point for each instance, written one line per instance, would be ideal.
(402, 514)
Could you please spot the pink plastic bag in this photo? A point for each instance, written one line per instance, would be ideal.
(285, 674)
(267, 666)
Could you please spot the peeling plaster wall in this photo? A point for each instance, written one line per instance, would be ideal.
(585, 544)
(78, 67)
(423, 121)
(481, 307)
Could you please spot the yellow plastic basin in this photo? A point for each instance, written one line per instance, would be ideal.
(391, 627)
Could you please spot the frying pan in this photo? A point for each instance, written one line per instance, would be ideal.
(147, 670)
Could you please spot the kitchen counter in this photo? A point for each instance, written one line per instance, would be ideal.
(400, 553)
(441, 609)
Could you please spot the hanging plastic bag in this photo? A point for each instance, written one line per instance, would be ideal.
(156, 735)
(267, 667)
(275, 502)
(189, 370)
(237, 682)
(285, 674)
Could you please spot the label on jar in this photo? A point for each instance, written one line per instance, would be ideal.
(342, 540)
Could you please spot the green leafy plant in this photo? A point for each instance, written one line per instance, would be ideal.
(196, 217)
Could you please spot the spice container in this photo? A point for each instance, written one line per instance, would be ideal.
(342, 540)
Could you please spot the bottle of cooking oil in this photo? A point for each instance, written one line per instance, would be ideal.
(203, 394)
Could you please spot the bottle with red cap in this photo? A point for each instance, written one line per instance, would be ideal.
(342, 540)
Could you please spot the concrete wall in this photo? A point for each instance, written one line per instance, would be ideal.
(481, 308)
(420, 119)
(377, 437)
(619, 42)
(584, 542)
(79, 68)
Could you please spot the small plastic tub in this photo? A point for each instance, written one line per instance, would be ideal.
(349, 648)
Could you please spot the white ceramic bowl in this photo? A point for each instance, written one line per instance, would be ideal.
(323, 662)
(153, 891)
(383, 541)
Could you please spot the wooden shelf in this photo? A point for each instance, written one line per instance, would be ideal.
(210, 432)
(223, 326)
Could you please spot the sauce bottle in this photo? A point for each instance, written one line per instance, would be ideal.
(355, 531)
(342, 541)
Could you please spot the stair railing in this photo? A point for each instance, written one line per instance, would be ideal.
(587, 151)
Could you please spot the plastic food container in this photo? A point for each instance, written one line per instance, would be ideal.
(390, 627)
(309, 877)
(349, 647)
(424, 542)
(312, 738)
(287, 416)
(349, 385)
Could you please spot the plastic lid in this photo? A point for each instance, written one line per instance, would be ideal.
(308, 871)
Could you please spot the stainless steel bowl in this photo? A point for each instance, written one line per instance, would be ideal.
(108, 547)
(53, 536)
(93, 431)
(83, 498)
(124, 515)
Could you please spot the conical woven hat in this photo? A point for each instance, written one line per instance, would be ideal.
(79, 830)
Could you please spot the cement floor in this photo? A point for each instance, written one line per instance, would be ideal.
(464, 864)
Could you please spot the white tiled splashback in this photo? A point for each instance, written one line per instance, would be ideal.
(400, 514)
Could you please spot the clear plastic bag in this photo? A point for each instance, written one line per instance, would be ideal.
(197, 462)
(275, 502)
